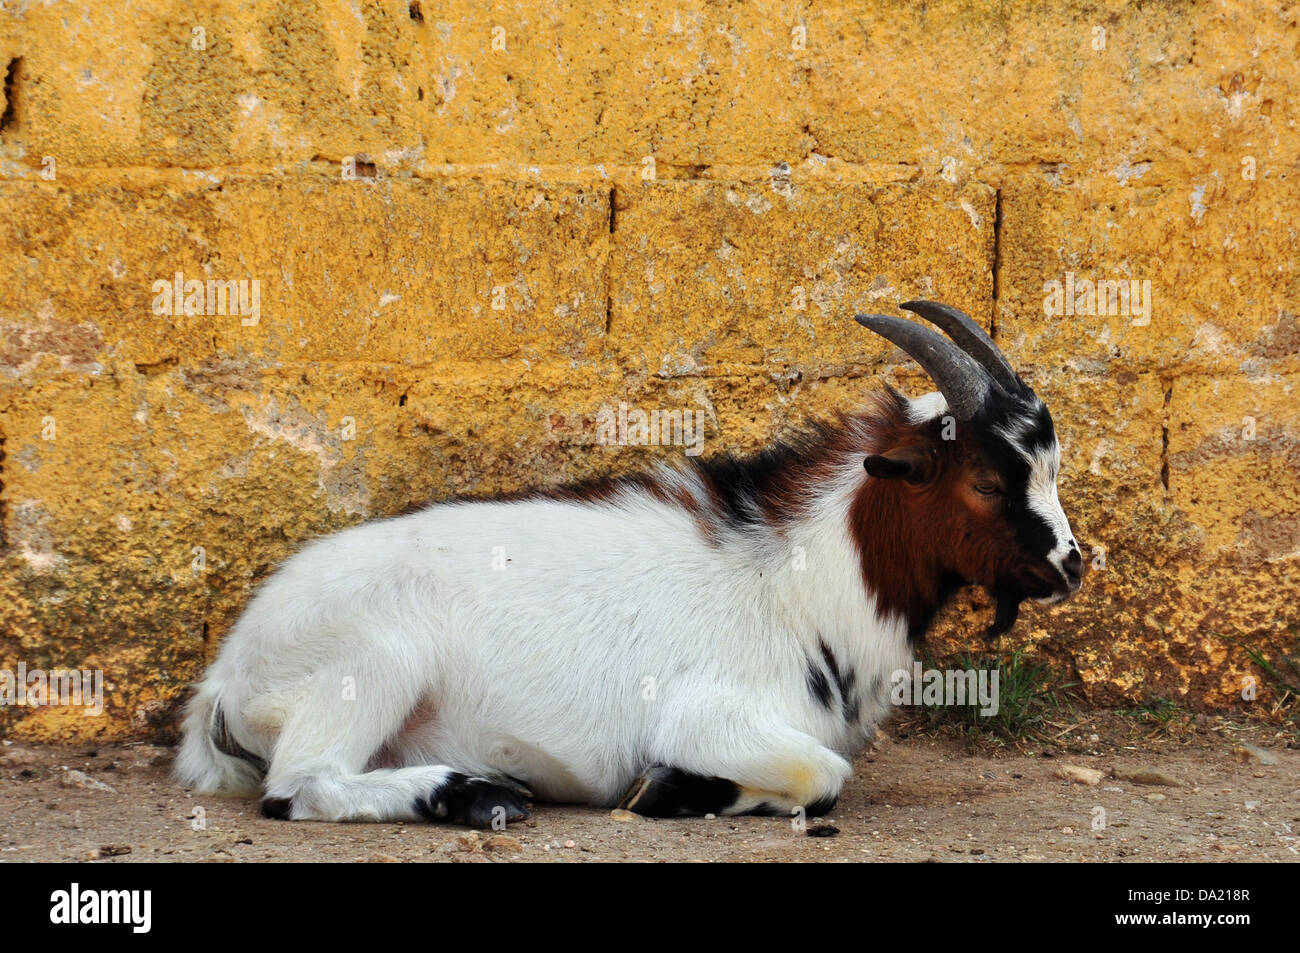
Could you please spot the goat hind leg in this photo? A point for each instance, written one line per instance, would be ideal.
(318, 768)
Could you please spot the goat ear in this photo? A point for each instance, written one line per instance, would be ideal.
(912, 464)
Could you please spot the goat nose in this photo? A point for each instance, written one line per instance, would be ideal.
(1073, 566)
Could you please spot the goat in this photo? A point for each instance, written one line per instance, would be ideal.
(712, 638)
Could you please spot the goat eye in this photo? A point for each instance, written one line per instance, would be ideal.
(988, 489)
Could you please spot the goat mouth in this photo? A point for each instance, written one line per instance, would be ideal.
(1055, 598)
(1060, 594)
(1041, 589)
(1050, 586)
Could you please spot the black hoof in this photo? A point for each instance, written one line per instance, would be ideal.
(476, 802)
(277, 808)
(668, 792)
(822, 807)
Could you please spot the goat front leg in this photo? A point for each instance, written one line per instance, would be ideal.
(792, 772)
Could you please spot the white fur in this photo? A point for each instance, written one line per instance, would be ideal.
(614, 636)
(1041, 497)
(927, 407)
(1043, 500)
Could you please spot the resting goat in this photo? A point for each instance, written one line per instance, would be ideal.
(715, 638)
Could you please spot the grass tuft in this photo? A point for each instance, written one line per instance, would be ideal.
(1280, 665)
(1029, 696)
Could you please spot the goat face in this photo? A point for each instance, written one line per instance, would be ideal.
(1011, 531)
(984, 467)
(1021, 456)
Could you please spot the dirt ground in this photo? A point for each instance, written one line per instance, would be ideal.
(914, 796)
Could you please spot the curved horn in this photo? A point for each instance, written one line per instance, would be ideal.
(970, 337)
(963, 383)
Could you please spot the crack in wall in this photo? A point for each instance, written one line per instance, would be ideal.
(609, 277)
(997, 260)
(4, 544)
(1164, 436)
(9, 114)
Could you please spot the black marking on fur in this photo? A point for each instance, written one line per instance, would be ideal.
(475, 802)
(829, 658)
(740, 484)
(745, 492)
(669, 792)
(850, 704)
(771, 485)
(818, 686)
(226, 743)
(1042, 433)
(277, 808)
(845, 684)
(822, 806)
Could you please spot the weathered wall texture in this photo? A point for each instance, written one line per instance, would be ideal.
(452, 319)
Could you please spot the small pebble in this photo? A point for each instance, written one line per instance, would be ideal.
(1247, 753)
(149, 756)
(1071, 772)
(79, 779)
(468, 841)
(1146, 776)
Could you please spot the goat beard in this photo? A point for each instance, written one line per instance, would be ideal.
(1007, 611)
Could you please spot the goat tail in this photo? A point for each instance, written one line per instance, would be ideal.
(210, 760)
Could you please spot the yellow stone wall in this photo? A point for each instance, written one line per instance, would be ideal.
(558, 206)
